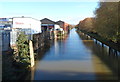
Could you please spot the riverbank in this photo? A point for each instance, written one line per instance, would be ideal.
(9, 70)
(111, 60)
(12, 70)
(105, 41)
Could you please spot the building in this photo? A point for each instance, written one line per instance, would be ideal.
(63, 25)
(28, 24)
(5, 33)
(11, 28)
(51, 26)
(47, 24)
(5, 23)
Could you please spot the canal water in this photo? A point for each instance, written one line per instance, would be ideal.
(76, 58)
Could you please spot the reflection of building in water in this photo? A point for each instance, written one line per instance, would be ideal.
(103, 65)
(56, 48)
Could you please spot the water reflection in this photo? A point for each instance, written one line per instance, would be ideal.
(74, 59)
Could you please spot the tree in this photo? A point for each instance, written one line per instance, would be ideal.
(106, 20)
(86, 24)
(22, 53)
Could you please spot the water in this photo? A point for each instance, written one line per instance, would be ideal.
(75, 58)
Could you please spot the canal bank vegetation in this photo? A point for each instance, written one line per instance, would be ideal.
(105, 25)
(22, 52)
(17, 62)
(106, 21)
(9, 71)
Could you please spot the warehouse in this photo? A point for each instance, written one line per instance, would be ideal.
(30, 25)
(47, 24)
(5, 23)
(11, 27)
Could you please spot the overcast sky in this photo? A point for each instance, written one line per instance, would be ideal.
(70, 12)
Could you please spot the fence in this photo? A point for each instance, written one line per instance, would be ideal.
(8, 37)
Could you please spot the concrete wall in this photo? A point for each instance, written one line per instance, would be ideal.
(40, 40)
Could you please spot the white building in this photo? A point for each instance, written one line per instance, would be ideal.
(27, 25)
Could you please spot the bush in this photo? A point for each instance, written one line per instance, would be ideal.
(21, 55)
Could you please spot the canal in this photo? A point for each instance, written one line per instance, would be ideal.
(76, 58)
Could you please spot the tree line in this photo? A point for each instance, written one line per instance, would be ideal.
(106, 21)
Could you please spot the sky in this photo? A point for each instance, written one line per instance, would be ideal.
(70, 12)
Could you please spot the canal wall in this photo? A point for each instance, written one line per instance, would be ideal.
(113, 47)
(39, 40)
(112, 60)
(42, 42)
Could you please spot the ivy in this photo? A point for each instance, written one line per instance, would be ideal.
(22, 54)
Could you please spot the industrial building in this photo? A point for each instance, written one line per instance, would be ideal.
(5, 23)
(63, 25)
(11, 27)
(30, 25)
(47, 25)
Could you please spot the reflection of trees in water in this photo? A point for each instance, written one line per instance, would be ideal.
(84, 37)
(40, 55)
(110, 60)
